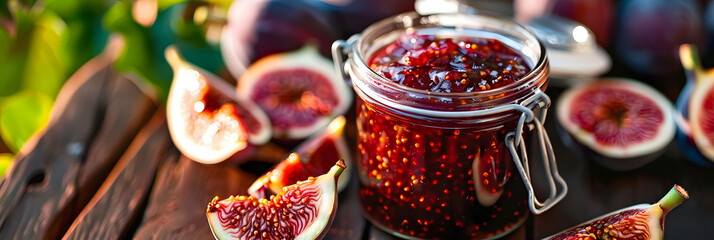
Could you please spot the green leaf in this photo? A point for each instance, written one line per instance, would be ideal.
(138, 55)
(21, 115)
(5, 162)
(46, 67)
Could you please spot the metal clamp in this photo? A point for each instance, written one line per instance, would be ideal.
(514, 139)
(340, 52)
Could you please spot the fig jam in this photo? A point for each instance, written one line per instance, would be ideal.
(449, 64)
(431, 179)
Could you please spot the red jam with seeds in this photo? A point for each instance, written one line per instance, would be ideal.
(449, 65)
(440, 179)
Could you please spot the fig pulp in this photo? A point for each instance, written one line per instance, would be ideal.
(623, 122)
(300, 92)
(304, 210)
(639, 222)
(207, 122)
(698, 120)
(311, 158)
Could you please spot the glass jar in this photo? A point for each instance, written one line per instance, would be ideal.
(445, 165)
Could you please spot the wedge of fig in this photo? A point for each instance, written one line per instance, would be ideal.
(311, 158)
(299, 91)
(304, 210)
(696, 109)
(639, 222)
(207, 122)
(621, 123)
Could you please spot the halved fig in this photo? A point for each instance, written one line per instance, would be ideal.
(698, 121)
(304, 210)
(207, 122)
(299, 91)
(640, 222)
(312, 157)
(623, 123)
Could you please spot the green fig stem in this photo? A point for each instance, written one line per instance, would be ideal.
(674, 198)
(173, 57)
(690, 58)
(338, 168)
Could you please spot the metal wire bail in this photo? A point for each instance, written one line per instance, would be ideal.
(514, 139)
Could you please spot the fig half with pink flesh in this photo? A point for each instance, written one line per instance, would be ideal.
(304, 210)
(639, 222)
(621, 123)
(206, 120)
(299, 91)
(700, 123)
(312, 157)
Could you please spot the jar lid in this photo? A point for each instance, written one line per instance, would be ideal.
(572, 50)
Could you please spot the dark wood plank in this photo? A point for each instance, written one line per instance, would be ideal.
(183, 188)
(128, 108)
(38, 198)
(349, 223)
(120, 200)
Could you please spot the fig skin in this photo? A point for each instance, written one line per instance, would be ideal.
(258, 28)
(650, 32)
(324, 210)
(618, 158)
(353, 16)
(642, 221)
(699, 81)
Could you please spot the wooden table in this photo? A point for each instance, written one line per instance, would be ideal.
(105, 168)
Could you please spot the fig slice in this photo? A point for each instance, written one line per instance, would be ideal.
(312, 157)
(618, 119)
(304, 210)
(701, 102)
(207, 122)
(299, 91)
(640, 222)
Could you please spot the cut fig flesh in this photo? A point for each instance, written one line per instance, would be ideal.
(207, 122)
(639, 222)
(313, 157)
(304, 210)
(617, 118)
(300, 91)
(701, 103)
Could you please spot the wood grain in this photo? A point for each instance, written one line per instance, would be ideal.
(89, 129)
(183, 188)
(120, 201)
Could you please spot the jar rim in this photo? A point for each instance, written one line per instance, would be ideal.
(531, 78)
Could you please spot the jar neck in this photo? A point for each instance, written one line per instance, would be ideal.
(447, 105)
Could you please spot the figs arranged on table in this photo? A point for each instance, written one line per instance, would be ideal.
(313, 157)
(299, 91)
(650, 32)
(639, 222)
(695, 107)
(621, 123)
(258, 28)
(207, 122)
(304, 210)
